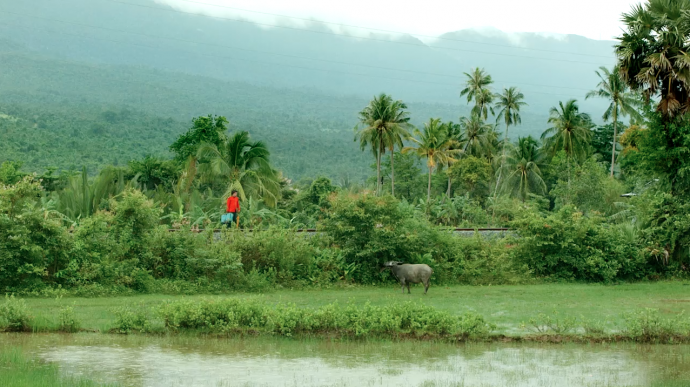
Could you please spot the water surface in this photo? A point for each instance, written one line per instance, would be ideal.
(180, 361)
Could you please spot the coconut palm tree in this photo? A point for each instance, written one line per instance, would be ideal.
(483, 103)
(623, 103)
(509, 104)
(654, 53)
(386, 122)
(569, 131)
(435, 145)
(244, 165)
(477, 136)
(454, 132)
(477, 82)
(523, 169)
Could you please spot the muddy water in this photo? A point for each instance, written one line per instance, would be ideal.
(179, 361)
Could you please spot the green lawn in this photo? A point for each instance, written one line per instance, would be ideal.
(506, 306)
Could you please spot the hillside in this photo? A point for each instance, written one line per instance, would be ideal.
(69, 67)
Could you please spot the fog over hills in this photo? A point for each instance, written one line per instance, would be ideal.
(149, 57)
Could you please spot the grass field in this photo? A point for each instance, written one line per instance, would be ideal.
(505, 306)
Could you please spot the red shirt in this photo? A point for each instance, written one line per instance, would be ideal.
(233, 204)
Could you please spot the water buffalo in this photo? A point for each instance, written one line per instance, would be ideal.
(408, 273)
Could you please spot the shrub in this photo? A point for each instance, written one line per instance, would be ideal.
(649, 326)
(67, 320)
(568, 246)
(33, 245)
(280, 256)
(236, 315)
(14, 315)
(130, 320)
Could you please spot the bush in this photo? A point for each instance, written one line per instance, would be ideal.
(568, 246)
(279, 256)
(33, 245)
(130, 320)
(649, 326)
(67, 320)
(236, 315)
(14, 315)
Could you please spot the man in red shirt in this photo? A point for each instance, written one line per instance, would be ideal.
(233, 207)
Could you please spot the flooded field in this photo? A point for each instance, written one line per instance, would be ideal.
(179, 361)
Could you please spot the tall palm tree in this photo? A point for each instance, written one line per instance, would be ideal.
(477, 81)
(509, 104)
(454, 132)
(483, 103)
(569, 131)
(435, 145)
(477, 136)
(623, 103)
(654, 53)
(244, 165)
(524, 169)
(386, 122)
(477, 89)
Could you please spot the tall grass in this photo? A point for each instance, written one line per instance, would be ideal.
(17, 370)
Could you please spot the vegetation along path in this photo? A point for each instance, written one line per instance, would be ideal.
(506, 306)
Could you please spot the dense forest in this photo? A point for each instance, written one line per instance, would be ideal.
(587, 202)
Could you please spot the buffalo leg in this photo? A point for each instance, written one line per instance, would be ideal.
(426, 286)
(402, 286)
(408, 288)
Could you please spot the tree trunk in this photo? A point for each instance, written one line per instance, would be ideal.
(503, 160)
(615, 135)
(428, 191)
(392, 172)
(568, 196)
(449, 184)
(378, 173)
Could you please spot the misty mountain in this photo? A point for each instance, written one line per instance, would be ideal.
(287, 85)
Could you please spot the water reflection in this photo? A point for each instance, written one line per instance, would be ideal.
(179, 361)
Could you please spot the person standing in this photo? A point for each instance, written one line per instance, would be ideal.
(233, 208)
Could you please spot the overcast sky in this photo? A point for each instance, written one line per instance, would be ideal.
(596, 19)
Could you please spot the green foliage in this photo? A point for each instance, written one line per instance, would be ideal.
(33, 245)
(590, 189)
(235, 315)
(283, 256)
(568, 246)
(210, 130)
(552, 323)
(129, 320)
(14, 315)
(667, 238)
(472, 175)
(9, 172)
(664, 152)
(368, 230)
(650, 326)
(67, 320)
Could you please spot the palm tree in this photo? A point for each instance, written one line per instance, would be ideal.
(654, 53)
(477, 81)
(386, 124)
(454, 132)
(477, 136)
(245, 165)
(570, 132)
(524, 169)
(435, 145)
(483, 103)
(510, 103)
(622, 104)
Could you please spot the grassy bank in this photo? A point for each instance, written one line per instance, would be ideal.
(508, 307)
(18, 370)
